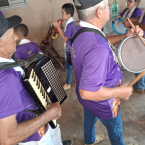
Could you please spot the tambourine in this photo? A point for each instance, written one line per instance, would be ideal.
(118, 27)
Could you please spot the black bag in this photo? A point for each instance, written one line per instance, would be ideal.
(69, 61)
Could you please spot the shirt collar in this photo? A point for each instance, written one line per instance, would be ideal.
(23, 41)
(68, 22)
(18, 68)
(88, 25)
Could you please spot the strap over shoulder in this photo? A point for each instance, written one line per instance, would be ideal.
(85, 29)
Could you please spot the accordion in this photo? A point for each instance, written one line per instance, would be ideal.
(42, 83)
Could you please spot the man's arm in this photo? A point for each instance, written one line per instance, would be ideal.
(12, 133)
(123, 92)
(141, 25)
(135, 19)
(114, 39)
(56, 24)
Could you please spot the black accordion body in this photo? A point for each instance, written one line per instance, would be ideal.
(42, 83)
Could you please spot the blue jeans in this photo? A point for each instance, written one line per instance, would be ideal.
(114, 128)
(68, 71)
(140, 85)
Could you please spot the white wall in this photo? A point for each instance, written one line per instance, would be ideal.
(39, 14)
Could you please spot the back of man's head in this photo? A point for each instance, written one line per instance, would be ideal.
(86, 9)
(69, 8)
(21, 29)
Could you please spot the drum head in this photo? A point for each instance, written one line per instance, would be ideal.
(133, 55)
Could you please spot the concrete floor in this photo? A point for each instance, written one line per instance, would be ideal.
(132, 112)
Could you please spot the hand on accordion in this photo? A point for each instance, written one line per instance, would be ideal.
(41, 131)
(55, 109)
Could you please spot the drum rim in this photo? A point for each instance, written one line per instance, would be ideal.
(120, 59)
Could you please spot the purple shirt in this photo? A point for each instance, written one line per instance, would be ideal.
(137, 13)
(26, 50)
(1, 13)
(70, 29)
(15, 98)
(95, 66)
(143, 21)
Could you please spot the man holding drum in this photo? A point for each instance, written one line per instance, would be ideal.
(99, 78)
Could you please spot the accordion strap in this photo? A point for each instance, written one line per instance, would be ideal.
(84, 29)
(20, 62)
(37, 112)
(6, 65)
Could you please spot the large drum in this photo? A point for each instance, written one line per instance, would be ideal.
(131, 54)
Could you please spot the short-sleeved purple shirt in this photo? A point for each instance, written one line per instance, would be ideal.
(70, 29)
(143, 21)
(26, 50)
(137, 13)
(15, 98)
(95, 66)
(1, 13)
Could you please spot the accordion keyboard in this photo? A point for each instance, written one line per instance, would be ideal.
(39, 90)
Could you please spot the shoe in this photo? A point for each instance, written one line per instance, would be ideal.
(137, 91)
(99, 138)
(67, 142)
(66, 86)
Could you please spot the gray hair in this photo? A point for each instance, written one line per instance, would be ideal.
(137, 1)
(88, 14)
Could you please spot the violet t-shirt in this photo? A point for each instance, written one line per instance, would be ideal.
(70, 29)
(1, 13)
(26, 50)
(143, 21)
(137, 13)
(15, 98)
(95, 65)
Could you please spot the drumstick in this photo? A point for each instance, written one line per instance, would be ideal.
(132, 25)
(137, 78)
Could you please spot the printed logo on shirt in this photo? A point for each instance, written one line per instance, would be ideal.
(72, 53)
(30, 52)
(115, 58)
(113, 49)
